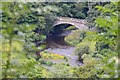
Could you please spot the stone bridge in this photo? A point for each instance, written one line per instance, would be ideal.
(78, 23)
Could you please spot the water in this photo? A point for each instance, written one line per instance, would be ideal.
(57, 45)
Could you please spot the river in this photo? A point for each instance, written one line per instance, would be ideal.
(58, 45)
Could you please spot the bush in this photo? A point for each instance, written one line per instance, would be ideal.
(45, 62)
(62, 71)
(49, 63)
(90, 44)
(87, 70)
(70, 28)
(75, 37)
(49, 56)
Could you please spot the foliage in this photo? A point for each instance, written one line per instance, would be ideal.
(87, 70)
(75, 10)
(109, 67)
(70, 28)
(66, 72)
(18, 23)
(25, 27)
(51, 56)
(75, 37)
(20, 66)
(90, 44)
(104, 51)
(106, 36)
(42, 61)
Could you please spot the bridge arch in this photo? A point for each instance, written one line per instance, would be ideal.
(78, 23)
(59, 32)
(61, 28)
(56, 37)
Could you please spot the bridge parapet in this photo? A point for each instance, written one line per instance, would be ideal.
(67, 19)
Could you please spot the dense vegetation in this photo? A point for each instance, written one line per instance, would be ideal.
(25, 26)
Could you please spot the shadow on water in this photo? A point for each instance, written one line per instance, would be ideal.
(57, 40)
(57, 36)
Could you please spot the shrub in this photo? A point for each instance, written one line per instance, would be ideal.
(91, 44)
(42, 61)
(87, 70)
(75, 37)
(62, 71)
(70, 28)
(49, 56)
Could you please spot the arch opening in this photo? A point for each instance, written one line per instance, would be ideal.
(62, 28)
(57, 35)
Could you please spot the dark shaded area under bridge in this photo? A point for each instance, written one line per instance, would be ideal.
(56, 37)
